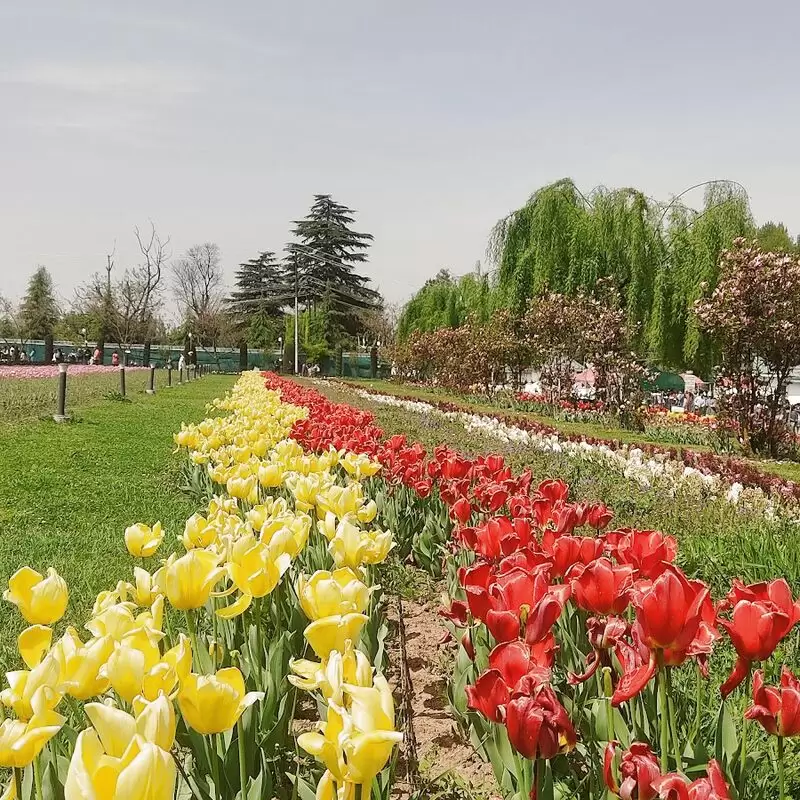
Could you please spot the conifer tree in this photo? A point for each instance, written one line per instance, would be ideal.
(262, 290)
(39, 310)
(326, 253)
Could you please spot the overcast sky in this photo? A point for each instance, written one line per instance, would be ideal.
(431, 118)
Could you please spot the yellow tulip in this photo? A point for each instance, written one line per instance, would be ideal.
(352, 547)
(351, 667)
(331, 633)
(179, 657)
(326, 594)
(30, 693)
(243, 488)
(161, 679)
(144, 591)
(327, 525)
(329, 789)
(155, 721)
(127, 665)
(142, 541)
(369, 744)
(253, 572)
(115, 727)
(220, 503)
(367, 512)
(21, 742)
(198, 532)
(33, 643)
(214, 703)
(324, 744)
(41, 601)
(359, 465)
(143, 772)
(270, 475)
(188, 580)
(80, 664)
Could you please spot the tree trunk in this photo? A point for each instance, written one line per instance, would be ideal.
(243, 364)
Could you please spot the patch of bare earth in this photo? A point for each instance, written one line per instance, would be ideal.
(441, 749)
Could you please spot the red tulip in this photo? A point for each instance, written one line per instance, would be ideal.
(646, 551)
(495, 462)
(501, 536)
(544, 614)
(538, 725)
(669, 610)
(514, 660)
(639, 768)
(638, 668)
(461, 510)
(602, 588)
(598, 515)
(553, 490)
(457, 612)
(776, 708)
(423, 487)
(466, 643)
(756, 629)
(566, 551)
(676, 787)
(489, 695)
(604, 635)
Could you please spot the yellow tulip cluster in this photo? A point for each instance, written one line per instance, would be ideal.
(130, 672)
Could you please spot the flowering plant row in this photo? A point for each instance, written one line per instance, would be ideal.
(588, 659)
(186, 685)
(725, 478)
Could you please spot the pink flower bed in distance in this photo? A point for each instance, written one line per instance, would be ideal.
(51, 370)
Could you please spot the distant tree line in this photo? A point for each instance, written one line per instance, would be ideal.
(661, 258)
(319, 272)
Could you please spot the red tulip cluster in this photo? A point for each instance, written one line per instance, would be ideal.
(641, 776)
(529, 558)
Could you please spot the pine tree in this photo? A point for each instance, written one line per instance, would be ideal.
(39, 310)
(326, 255)
(262, 290)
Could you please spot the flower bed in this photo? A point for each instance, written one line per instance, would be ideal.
(189, 676)
(51, 370)
(720, 477)
(584, 653)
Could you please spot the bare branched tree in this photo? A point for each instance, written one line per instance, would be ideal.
(128, 308)
(197, 280)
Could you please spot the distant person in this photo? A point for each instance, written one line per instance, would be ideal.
(181, 363)
(688, 402)
(115, 359)
(97, 356)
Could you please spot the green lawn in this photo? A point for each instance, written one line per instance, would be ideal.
(67, 492)
(786, 469)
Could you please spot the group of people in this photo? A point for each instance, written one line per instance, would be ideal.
(10, 354)
(700, 403)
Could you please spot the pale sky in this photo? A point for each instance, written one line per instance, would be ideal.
(431, 118)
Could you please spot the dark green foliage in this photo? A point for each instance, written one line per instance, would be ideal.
(262, 290)
(39, 311)
(657, 254)
(325, 256)
(444, 302)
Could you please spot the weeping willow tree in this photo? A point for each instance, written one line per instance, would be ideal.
(447, 302)
(658, 255)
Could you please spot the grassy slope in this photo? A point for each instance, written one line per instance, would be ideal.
(67, 492)
(785, 469)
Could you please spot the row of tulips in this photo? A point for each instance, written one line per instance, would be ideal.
(671, 470)
(182, 688)
(588, 659)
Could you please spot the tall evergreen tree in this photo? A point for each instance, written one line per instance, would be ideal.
(262, 290)
(39, 310)
(326, 253)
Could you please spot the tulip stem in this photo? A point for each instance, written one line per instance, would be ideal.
(242, 757)
(672, 719)
(781, 776)
(37, 777)
(18, 782)
(662, 696)
(215, 766)
(193, 637)
(743, 758)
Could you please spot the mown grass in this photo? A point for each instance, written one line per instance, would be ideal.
(25, 399)
(785, 469)
(67, 492)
